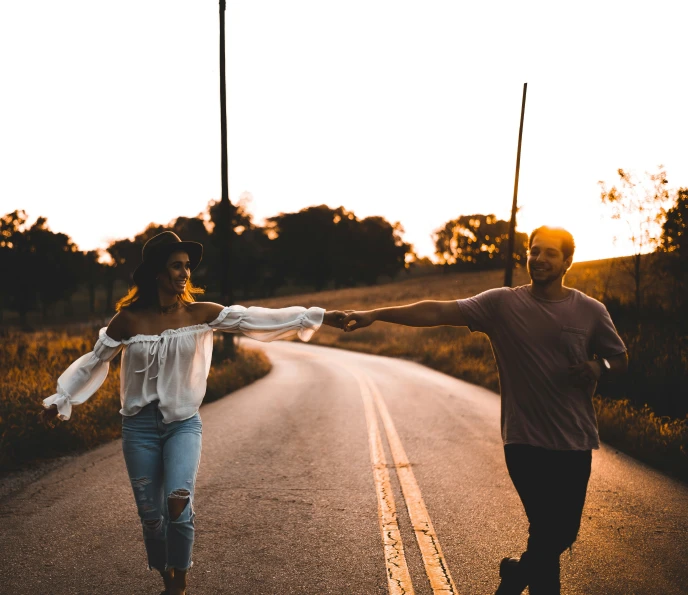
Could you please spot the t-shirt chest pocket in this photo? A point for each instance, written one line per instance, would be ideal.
(574, 343)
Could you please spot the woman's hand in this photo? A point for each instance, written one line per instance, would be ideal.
(48, 416)
(334, 318)
(357, 320)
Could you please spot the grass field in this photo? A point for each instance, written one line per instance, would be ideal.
(659, 441)
(30, 364)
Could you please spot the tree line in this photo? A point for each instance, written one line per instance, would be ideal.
(320, 247)
(316, 248)
(653, 320)
(310, 250)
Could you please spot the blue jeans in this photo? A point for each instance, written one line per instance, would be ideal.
(162, 461)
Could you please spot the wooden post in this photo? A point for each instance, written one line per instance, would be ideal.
(226, 228)
(223, 105)
(508, 271)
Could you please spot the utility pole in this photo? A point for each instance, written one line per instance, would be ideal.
(508, 271)
(224, 226)
(223, 105)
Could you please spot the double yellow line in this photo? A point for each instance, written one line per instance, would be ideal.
(398, 577)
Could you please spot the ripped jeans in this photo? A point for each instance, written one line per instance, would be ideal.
(162, 462)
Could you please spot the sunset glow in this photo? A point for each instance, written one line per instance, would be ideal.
(110, 114)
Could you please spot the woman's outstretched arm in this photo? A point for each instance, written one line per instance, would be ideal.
(83, 378)
(270, 324)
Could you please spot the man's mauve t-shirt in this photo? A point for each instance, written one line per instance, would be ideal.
(534, 342)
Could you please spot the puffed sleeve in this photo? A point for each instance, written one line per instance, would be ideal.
(270, 324)
(84, 377)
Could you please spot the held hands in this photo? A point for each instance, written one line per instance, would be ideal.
(356, 320)
(584, 374)
(334, 318)
(348, 320)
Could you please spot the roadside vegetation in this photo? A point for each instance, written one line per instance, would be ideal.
(359, 264)
(643, 414)
(30, 364)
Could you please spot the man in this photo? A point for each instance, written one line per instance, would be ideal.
(552, 343)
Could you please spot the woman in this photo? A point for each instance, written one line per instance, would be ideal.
(167, 342)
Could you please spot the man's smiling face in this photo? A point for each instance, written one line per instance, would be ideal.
(546, 263)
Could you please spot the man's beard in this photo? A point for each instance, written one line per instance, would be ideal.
(545, 280)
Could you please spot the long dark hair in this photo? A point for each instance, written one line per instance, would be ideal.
(145, 295)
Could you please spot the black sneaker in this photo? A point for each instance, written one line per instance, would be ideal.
(512, 583)
(508, 567)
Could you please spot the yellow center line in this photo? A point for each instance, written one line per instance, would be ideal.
(435, 564)
(398, 577)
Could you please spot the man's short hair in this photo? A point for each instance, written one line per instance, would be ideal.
(568, 246)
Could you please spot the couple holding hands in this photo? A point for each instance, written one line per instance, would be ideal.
(551, 344)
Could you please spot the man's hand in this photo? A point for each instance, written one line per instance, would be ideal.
(334, 318)
(48, 416)
(357, 320)
(585, 374)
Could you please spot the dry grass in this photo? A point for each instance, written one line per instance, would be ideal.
(660, 441)
(465, 355)
(29, 367)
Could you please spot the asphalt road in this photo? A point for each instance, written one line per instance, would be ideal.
(297, 472)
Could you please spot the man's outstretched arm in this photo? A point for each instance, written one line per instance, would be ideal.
(427, 313)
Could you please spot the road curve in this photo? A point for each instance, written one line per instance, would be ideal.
(292, 489)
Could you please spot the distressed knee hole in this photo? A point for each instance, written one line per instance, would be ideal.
(139, 483)
(181, 494)
(177, 501)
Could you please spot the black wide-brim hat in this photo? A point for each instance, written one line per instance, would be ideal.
(157, 250)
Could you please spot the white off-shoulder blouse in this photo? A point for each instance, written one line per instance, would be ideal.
(173, 367)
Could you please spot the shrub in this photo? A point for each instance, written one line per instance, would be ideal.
(29, 367)
(660, 441)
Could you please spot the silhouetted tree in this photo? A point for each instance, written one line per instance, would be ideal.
(674, 237)
(256, 273)
(319, 245)
(126, 256)
(640, 204)
(18, 290)
(41, 267)
(57, 266)
(93, 275)
(674, 242)
(303, 244)
(379, 249)
(252, 271)
(109, 278)
(234, 220)
(191, 229)
(478, 242)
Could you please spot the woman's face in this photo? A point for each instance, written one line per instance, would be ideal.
(176, 274)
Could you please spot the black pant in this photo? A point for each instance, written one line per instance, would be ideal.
(552, 486)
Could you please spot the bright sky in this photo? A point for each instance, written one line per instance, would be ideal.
(409, 110)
